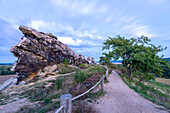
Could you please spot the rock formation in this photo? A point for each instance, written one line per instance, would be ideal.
(37, 50)
(91, 60)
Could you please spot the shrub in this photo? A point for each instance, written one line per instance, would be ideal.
(65, 69)
(114, 66)
(83, 66)
(124, 70)
(58, 83)
(47, 100)
(111, 65)
(80, 76)
(97, 69)
(109, 71)
(65, 62)
(82, 107)
(84, 86)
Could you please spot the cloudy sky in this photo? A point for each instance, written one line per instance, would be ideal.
(84, 24)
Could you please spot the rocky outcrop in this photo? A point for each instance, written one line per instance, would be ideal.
(37, 50)
(91, 60)
(8, 84)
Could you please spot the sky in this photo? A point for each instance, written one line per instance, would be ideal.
(85, 24)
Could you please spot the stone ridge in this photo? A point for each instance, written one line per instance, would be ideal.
(36, 50)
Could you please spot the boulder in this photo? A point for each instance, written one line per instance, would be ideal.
(38, 50)
(9, 83)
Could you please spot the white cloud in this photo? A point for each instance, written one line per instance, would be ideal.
(70, 41)
(42, 25)
(81, 7)
(135, 29)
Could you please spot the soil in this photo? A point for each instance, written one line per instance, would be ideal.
(120, 98)
(15, 106)
(5, 77)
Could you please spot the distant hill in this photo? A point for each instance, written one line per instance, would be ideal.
(6, 64)
(167, 59)
(120, 61)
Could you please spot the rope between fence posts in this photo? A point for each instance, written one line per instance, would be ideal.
(59, 109)
(88, 90)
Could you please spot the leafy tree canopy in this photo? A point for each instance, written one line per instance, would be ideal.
(138, 55)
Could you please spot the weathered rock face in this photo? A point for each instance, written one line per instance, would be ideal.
(37, 50)
(91, 60)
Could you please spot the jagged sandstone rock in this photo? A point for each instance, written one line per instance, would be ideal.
(91, 60)
(37, 50)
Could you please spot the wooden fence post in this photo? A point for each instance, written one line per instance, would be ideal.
(102, 85)
(65, 100)
(107, 74)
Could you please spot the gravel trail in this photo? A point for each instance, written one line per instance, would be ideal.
(120, 98)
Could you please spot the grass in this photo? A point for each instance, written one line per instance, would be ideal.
(3, 99)
(65, 69)
(83, 66)
(44, 93)
(149, 91)
(96, 95)
(58, 83)
(81, 76)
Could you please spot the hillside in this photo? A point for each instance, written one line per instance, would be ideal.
(42, 93)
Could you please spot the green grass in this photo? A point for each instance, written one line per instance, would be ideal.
(47, 91)
(96, 95)
(149, 91)
(65, 69)
(83, 66)
(6, 70)
(58, 83)
(81, 76)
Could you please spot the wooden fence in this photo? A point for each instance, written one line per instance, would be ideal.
(66, 99)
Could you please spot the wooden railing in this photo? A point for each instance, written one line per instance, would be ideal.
(66, 99)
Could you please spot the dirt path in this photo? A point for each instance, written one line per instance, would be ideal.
(121, 99)
(5, 77)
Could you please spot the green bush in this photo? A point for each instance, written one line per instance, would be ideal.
(111, 65)
(47, 100)
(97, 69)
(65, 69)
(6, 70)
(58, 83)
(83, 66)
(80, 76)
(65, 62)
(124, 70)
(109, 71)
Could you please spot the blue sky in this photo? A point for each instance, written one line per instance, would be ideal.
(84, 24)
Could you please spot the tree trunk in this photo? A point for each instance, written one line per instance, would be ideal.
(130, 73)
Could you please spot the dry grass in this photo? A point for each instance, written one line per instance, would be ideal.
(163, 80)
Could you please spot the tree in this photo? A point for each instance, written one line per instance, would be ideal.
(104, 60)
(138, 55)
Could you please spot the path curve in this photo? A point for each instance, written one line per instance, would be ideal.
(120, 98)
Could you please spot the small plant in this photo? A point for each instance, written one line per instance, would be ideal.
(83, 66)
(80, 76)
(65, 62)
(96, 94)
(47, 100)
(58, 83)
(124, 70)
(82, 107)
(109, 71)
